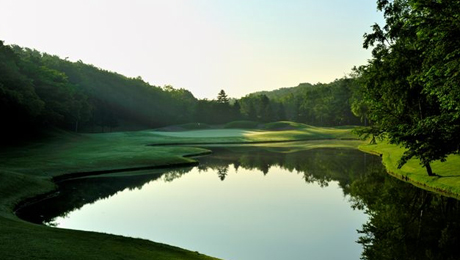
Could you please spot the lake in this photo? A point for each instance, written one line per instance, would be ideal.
(264, 203)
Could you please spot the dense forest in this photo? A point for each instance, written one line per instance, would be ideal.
(38, 91)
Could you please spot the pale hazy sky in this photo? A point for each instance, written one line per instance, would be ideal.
(240, 46)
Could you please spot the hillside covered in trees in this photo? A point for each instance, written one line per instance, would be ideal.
(38, 91)
(319, 104)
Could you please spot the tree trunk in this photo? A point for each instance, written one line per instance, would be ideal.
(373, 141)
(428, 169)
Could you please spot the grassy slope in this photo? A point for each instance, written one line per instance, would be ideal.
(448, 182)
(275, 132)
(26, 171)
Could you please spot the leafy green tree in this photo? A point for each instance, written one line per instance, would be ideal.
(359, 107)
(410, 92)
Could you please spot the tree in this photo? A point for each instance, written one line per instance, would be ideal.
(223, 109)
(236, 110)
(280, 112)
(265, 109)
(80, 110)
(411, 94)
(251, 112)
(222, 97)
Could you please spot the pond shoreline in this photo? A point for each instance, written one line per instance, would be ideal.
(49, 188)
(206, 161)
(68, 176)
(416, 178)
(72, 175)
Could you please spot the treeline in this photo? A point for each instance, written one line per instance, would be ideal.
(38, 90)
(320, 105)
(315, 104)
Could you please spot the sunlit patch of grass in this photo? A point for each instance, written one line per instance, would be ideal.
(220, 133)
(292, 147)
(93, 152)
(301, 132)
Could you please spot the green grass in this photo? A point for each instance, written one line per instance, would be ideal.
(292, 147)
(300, 132)
(244, 124)
(26, 241)
(70, 153)
(92, 152)
(27, 170)
(16, 186)
(284, 125)
(185, 127)
(447, 183)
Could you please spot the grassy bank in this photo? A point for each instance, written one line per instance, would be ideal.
(447, 182)
(27, 171)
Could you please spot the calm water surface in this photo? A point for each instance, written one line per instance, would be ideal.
(240, 203)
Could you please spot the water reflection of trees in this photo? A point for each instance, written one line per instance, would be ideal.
(74, 194)
(318, 165)
(173, 174)
(404, 222)
(321, 166)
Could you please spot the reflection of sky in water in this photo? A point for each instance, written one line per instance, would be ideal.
(247, 216)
